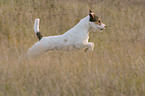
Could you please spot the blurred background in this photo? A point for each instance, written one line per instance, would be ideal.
(116, 67)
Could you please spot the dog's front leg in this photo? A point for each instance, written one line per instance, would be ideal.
(89, 46)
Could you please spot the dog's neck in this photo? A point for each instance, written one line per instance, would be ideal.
(84, 24)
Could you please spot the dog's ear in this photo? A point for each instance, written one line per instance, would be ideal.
(90, 11)
(93, 17)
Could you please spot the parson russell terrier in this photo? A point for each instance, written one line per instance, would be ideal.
(75, 38)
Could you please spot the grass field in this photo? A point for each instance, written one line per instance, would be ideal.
(116, 67)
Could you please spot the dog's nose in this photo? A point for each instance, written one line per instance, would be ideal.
(105, 26)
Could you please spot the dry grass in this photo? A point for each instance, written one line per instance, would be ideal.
(115, 68)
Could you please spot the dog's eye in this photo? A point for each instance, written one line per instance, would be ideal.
(99, 21)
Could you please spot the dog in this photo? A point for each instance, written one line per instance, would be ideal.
(75, 38)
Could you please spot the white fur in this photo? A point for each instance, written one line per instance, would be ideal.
(75, 38)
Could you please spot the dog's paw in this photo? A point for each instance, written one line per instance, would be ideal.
(86, 50)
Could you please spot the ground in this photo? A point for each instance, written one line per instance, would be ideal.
(116, 67)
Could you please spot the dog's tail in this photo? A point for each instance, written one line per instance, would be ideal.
(36, 29)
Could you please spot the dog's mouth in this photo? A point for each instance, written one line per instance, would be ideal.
(101, 29)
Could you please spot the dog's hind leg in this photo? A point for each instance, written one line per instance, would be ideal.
(36, 29)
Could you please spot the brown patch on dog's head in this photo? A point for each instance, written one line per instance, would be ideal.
(98, 21)
(94, 18)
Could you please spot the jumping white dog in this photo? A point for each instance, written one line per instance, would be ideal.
(75, 38)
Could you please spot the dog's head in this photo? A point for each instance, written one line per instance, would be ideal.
(96, 22)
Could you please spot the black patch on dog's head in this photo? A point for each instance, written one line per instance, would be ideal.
(93, 17)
